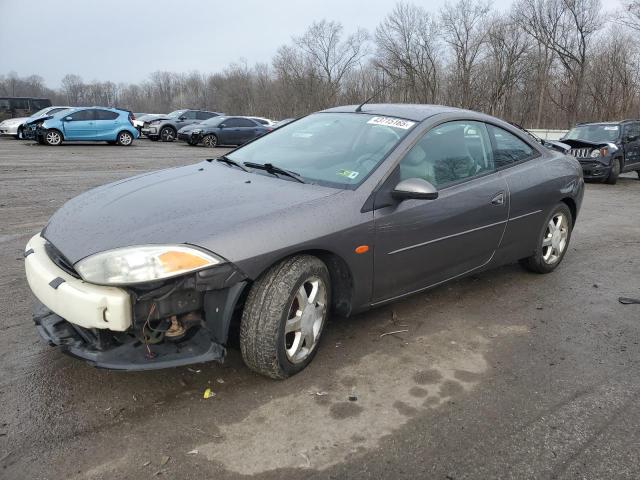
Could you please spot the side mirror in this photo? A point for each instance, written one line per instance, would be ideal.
(67, 119)
(417, 188)
(222, 125)
(631, 138)
(182, 118)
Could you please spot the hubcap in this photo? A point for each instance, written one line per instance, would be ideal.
(210, 141)
(53, 137)
(125, 139)
(167, 134)
(305, 320)
(555, 238)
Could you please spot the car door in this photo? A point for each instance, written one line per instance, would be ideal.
(249, 129)
(107, 123)
(527, 175)
(631, 145)
(79, 125)
(420, 243)
(187, 118)
(231, 131)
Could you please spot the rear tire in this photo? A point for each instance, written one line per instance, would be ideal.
(553, 241)
(168, 134)
(52, 137)
(210, 141)
(284, 316)
(125, 138)
(615, 172)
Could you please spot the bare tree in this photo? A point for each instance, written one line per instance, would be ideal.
(465, 31)
(331, 56)
(565, 27)
(408, 51)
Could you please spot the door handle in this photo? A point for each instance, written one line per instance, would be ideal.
(498, 199)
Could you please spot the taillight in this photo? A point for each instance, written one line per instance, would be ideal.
(132, 117)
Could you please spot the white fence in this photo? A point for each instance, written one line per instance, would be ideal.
(549, 134)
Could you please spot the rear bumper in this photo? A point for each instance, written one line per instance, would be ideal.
(124, 352)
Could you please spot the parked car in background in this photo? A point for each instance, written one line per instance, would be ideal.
(15, 107)
(10, 126)
(166, 127)
(283, 122)
(223, 131)
(140, 118)
(264, 121)
(88, 124)
(606, 149)
(26, 130)
(340, 211)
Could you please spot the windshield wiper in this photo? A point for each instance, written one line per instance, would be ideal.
(274, 170)
(229, 161)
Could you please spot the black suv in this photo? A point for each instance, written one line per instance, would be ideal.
(607, 149)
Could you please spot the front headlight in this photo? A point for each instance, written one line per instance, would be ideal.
(598, 152)
(131, 265)
(196, 131)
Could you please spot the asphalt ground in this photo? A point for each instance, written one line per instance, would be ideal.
(505, 374)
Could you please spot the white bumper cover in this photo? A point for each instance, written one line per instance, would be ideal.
(78, 302)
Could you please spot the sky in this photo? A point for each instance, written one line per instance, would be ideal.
(126, 40)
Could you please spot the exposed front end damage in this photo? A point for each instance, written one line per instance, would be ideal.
(596, 159)
(170, 323)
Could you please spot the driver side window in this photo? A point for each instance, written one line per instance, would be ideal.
(450, 153)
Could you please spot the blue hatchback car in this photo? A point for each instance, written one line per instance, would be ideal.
(88, 124)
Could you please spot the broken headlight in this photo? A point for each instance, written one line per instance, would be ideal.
(145, 263)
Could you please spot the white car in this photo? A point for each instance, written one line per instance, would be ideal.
(10, 126)
(267, 122)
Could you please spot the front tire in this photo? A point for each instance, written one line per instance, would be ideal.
(124, 139)
(210, 141)
(52, 137)
(167, 134)
(284, 316)
(553, 241)
(614, 173)
(19, 134)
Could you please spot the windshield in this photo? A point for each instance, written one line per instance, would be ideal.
(176, 113)
(333, 149)
(39, 113)
(594, 133)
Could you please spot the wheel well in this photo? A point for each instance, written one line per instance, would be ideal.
(167, 126)
(569, 202)
(340, 275)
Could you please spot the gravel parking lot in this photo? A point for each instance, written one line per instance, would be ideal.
(505, 374)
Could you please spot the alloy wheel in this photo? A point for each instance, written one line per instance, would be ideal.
(53, 138)
(555, 238)
(305, 319)
(210, 141)
(125, 139)
(167, 135)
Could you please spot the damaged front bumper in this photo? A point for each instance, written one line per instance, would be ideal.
(594, 170)
(107, 349)
(178, 322)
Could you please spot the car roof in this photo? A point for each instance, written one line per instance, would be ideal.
(608, 123)
(409, 111)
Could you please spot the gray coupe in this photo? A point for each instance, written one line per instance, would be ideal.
(340, 211)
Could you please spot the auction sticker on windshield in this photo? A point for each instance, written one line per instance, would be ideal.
(348, 173)
(392, 122)
(611, 128)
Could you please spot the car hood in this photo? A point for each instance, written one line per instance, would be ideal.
(14, 121)
(196, 204)
(191, 127)
(584, 143)
(149, 117)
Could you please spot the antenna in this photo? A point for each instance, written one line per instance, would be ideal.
(375, 94)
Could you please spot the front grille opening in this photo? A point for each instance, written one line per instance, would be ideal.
(57, 258)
